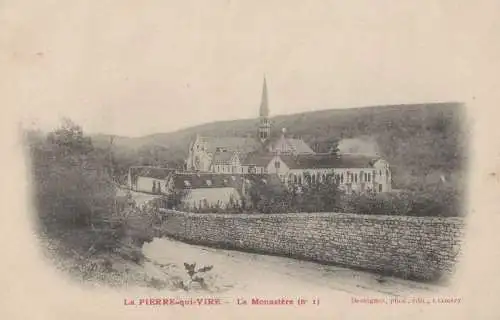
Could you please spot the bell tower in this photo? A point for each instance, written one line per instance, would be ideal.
(264, 123)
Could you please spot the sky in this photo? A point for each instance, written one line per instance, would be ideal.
(140, 67)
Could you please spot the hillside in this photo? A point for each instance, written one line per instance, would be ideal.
(419, 140)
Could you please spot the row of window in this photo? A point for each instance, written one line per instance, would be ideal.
(353, 177)
(340, 177)
(313, 178)
(227, 169)
(234, 169)
(362, 176)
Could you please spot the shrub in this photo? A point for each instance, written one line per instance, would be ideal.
(440, 203)
(380, 204)
(71, 181)
(195, 276)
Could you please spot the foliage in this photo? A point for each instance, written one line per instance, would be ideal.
(415, 139)
(439, 203)
(325, 197)
(444, 202)
(271, 198)
(135, 224)
(317, 197)
(71, 178)
(194, 276)
(174, 199)
(69, 140)
(377, 204)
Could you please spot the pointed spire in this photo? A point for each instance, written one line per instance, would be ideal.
(264, 108)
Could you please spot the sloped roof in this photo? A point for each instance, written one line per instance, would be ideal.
(264, 179)
(318, 161)
(222, 157)
(299, 146)
(151, 172)
(211, 180)
(259, 159)
(207, 180)
(244, 145)
(296, 145)
(212, 195)
(357, 160)
(250, 145)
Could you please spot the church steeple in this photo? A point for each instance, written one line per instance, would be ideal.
(265, 125)
(264, 108)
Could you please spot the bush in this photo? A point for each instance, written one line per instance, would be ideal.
(440, 203)
(71, 180)
(379, 204)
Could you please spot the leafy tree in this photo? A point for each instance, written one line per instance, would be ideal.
(175, 198)
(319, 196)
(262, 194)
(69, 140)
(71, 178)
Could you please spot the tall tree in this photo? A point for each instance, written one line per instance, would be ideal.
(71, 182)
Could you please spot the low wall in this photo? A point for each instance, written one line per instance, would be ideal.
(419, 248)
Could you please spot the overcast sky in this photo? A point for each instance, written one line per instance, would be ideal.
(140, 67)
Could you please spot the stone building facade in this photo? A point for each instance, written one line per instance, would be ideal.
(290, 158)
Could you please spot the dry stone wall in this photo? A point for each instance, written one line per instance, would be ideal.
(420, 248)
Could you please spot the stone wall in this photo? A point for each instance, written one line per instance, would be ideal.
(420, 248)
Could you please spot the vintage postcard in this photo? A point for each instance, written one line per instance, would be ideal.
(250, 159)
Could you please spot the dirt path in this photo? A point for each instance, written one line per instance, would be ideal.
(234, 273)
(246, 272)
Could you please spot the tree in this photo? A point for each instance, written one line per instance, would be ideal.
(175, 198)
(263, 195)
(69, 140)
(71, 180)
(319, 196)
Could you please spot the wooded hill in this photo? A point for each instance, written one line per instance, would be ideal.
(418, 140)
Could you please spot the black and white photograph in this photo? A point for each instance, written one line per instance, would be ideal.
(367, 195)
(270, 157)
